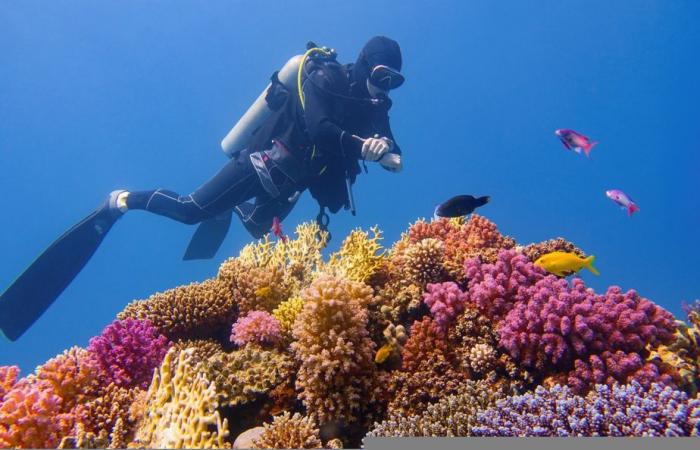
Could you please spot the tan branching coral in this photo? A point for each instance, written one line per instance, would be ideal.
(424, 262)
(200, 349)
(194, 310)
(103, 412)
(359, 256)
(243, 375)
(287, 431)
(534, 251)
(255, 288)
(82, 438)
(182, 408)
(453, 415)
(337, 376)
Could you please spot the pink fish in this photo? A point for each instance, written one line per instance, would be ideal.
(622, 199)
(575, 141)
(277, 229)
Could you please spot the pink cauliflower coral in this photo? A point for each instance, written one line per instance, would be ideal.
(446, 301)
(495, 288)
(558, 323)
(127, 352)
(258, 327)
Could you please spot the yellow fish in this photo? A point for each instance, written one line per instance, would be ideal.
(563, 264)
(383, 353)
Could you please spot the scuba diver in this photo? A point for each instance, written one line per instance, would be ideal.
(309, 129)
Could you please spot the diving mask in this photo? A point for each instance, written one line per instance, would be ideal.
(386, 78)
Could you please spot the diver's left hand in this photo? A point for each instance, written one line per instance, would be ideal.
(375, 147)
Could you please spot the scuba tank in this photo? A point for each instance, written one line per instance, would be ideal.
(238, 137)
(290, 76)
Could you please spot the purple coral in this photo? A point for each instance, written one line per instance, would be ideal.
(495, 288)
(127, 352)
(628, 410)
(557, 323)
(258, 327)
(446, 301)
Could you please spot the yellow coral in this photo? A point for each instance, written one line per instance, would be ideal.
(681, 357)
(182, 408)
(359, 256)
(286, 313)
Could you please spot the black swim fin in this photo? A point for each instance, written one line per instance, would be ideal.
(208, 237)
(51, 272)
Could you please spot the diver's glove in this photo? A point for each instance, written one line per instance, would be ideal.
(375, 147)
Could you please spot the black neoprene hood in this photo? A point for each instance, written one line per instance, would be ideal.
(378, 50)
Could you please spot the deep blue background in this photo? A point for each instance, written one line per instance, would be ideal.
(96, 96)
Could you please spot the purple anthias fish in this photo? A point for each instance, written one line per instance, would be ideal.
(622, 199)
(575, 141)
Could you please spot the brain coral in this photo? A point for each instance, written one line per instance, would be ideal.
(196, 310)
(259, 327)
(337, 373)
(628, 410)
(287, 431)
(182, 409)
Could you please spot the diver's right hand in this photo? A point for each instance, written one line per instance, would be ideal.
(375, 147)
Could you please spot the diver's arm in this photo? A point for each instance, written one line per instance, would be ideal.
(392, 160)
(318, 116)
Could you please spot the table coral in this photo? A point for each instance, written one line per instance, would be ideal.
(195, 310)
(628, 410)
(182, 408)
(289, 431)
(127, 352)
(337, 374)
(496, 288)
(259, 327)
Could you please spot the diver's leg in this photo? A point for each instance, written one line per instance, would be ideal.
(257, 216)
(235, 183)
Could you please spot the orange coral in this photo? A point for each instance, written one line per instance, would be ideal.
(8, 378)
(194, 310)
(337, 374)
(72, 376)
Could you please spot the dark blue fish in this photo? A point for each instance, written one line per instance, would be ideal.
(459, 206)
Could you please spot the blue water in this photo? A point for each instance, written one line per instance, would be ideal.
(96, 96)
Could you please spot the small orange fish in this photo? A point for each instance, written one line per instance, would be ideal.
(383, 353)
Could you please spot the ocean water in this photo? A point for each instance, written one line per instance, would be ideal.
(96, 96)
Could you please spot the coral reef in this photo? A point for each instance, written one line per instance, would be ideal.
(259, 327)
(194, 310)
(336, 376)
(451, 331)
(127, 352)
(287, 431)
(628, 410)
(182, 409)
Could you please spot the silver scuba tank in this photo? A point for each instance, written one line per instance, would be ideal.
(239, 136)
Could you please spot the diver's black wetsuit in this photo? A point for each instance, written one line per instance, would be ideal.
(300, 148)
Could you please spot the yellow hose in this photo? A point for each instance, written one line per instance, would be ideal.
(308, 53)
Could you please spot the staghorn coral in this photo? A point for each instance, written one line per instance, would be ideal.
(446, 301)
(359, 256)
(243, 375)
(32, 416)
(534, 251)
(192, 311)
(286, 313)
(557, 322)
(453, 415)
(127, 352)
(495, 288)
(8, 378)
(257, 327)
(182, 408)
(287, 431)
(424, 262)
(628, 410)
(337, 376)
